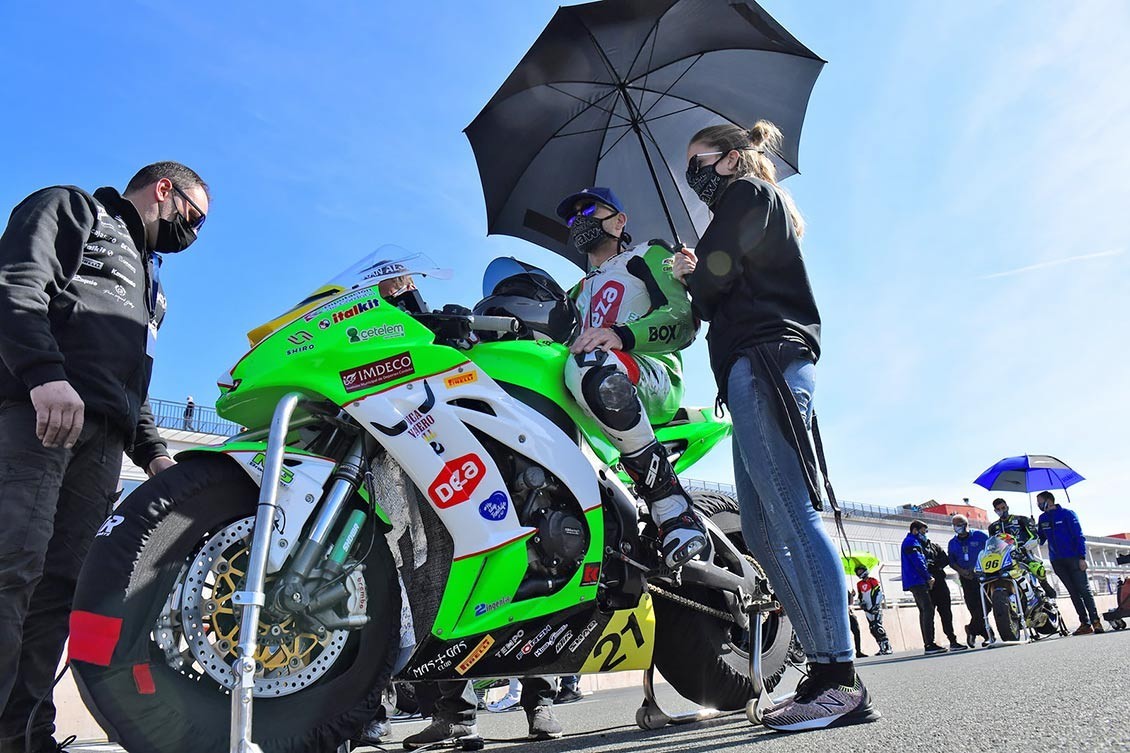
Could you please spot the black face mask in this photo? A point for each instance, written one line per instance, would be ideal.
(587, 233)
(173, 235)
(705, 181)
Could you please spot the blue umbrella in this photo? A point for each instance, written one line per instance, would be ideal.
(1028, 473)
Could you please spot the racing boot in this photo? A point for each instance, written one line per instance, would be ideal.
(682, 534)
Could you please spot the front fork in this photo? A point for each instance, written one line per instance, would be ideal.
(291, 596)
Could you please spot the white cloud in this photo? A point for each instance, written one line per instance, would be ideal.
(1052, 263)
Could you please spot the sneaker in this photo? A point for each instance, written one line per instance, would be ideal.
(682, 537)
(990, 641)
(372, 733)
(567, 695)
(506, 703)
(955, 645)
(543, 724)
(885, 649)
(934, 648)
(1084, 629)
(439, 731)
(818, 705)
(1097, 626)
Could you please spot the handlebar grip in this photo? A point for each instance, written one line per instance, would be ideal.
(495, 323)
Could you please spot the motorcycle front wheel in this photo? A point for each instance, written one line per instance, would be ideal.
(155, 627)
(1008, 622)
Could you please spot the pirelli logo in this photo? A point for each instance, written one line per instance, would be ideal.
(460, 380)
(477, 653)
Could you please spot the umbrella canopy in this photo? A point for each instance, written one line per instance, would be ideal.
(1028, 473)
(853, 560)
(610, 94)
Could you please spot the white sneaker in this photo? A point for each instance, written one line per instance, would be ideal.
(507, 702)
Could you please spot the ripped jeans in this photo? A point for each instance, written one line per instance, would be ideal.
(780, 527)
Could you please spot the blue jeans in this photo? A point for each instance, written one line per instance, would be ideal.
(780, 527)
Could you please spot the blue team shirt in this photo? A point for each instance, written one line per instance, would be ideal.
(964, 552)
(1060, 530)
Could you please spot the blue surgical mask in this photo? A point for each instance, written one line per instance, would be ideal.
(960, 529)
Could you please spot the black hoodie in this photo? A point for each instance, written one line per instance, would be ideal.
(78, 296)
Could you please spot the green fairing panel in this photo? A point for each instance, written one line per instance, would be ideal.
(317, 352)
(467, 610)
(539, 366)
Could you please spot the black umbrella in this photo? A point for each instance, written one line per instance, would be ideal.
(609, 95)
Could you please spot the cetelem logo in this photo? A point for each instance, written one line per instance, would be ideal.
(382, 331)
(354, 310)
(457, 481)
(377, 372)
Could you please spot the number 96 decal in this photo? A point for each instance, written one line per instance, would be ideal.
(627, 641)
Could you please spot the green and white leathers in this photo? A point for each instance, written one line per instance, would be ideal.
(634, 294)
(437, 510)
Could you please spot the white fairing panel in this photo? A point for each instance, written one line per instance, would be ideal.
(431, 440)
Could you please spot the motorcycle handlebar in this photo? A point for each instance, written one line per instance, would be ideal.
(494, 323)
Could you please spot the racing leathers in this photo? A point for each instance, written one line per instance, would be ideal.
(871, 600)
(634, 294)
(1023, 530)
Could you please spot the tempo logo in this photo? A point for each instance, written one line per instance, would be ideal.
(378, 372)
(457, 481)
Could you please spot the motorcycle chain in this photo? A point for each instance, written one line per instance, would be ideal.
(761, 605)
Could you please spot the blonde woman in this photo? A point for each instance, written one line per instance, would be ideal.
(749, 281)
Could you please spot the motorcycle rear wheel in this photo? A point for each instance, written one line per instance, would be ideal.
(707, 659)
(148, 706)
(1008, 623)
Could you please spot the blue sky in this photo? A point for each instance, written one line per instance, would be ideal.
(964, 176)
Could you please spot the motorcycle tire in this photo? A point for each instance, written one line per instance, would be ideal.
(704, 658)
(1008, 624)
(147, 706)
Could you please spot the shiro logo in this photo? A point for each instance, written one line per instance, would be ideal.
(457, 481)
(378, 372)
(495, 507)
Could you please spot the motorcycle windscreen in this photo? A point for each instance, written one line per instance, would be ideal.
(387, 262)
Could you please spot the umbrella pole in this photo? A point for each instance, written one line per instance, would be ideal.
(650, 166)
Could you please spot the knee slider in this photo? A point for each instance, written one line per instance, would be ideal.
(612, 397)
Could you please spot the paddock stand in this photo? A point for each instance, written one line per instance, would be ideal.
(650, 715)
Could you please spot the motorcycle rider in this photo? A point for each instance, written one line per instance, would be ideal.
(871, 598)
(625, 365)
(1023, 529)
(964, 549)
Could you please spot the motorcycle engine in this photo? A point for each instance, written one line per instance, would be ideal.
(557, 550)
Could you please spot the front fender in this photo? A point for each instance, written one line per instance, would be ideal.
(302, 484)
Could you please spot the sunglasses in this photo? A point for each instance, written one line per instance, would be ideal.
(199, 221)
(693, 165)
(585, 210)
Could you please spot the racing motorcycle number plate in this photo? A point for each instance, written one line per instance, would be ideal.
(627, 641)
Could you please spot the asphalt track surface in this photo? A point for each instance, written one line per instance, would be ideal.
(1065, 694)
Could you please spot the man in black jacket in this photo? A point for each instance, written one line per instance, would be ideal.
(80, 304)
(936, 562)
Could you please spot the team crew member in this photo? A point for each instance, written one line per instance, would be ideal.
(964, 549)
(936, 562)
(80, 305)
(752, 286)
(1067, 549)
(917, 579)
(626, 371)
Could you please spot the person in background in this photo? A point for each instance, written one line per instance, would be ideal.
(917, 579)
(455, 711)
(80, 306)
(936, 562)
(871, 600)
(510, 700)
(1067, 549)
(964, 549)
(764, 341)
(189, 414)
(855, 634)
(570, 691)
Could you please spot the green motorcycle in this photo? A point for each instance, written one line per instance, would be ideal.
(436, 506)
